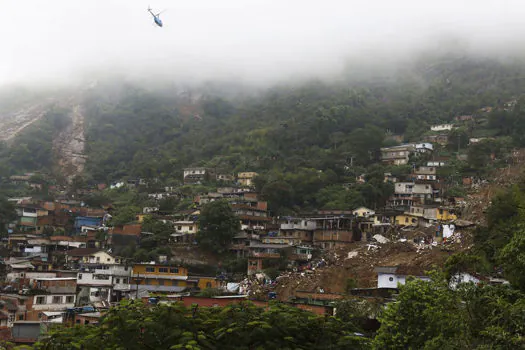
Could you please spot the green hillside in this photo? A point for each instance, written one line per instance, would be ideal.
(301, 137)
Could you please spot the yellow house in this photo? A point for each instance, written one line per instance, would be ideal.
(186, 227)
(444, 214)
(246, 178)
(165, 278)
(205, 282)
(406, 220)
(154, 277)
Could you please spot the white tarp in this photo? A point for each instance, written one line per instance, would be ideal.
(232, 287)
(448, 231)
(381, 239)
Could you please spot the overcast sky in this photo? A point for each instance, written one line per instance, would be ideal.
(252, 39)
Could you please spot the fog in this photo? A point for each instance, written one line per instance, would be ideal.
(250, 40)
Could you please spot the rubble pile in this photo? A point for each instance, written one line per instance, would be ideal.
(256, 286)
(358, 261)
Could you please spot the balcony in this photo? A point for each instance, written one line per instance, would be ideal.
(114, 272)
(299, 226)
(301, 257)
(265, 255)
(30, 214)
(238, 247)
(91, 279)
(122, 287)
(53, 307)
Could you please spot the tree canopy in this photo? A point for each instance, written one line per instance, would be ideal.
(217, 226)
(132, 325)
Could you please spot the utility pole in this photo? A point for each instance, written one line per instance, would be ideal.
(137, 284)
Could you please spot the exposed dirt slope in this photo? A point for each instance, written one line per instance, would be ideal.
(13, 123)
(358, 261)
(68, 147)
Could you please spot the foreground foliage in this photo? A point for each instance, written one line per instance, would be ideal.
(243, 326)
(430, 315)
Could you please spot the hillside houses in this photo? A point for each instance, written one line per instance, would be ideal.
(397, 155)
(442, 127)
(401, 155)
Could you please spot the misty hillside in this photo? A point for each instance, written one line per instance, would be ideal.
(134, 130)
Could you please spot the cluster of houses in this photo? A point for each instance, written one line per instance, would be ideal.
(60, 280)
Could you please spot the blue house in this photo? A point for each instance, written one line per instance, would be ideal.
(86, 221)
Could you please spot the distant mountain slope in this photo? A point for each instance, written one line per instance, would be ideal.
(131, 130)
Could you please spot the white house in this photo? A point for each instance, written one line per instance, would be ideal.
(185, 227)
(149, 210)
(424, 147)
(413, 188)
(54, 302)
(391, 276)
(435, 163)
(442, 127)
(298, 224)
(103, 283)
(93, 256)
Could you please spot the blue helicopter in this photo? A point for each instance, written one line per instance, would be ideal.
(156, 17)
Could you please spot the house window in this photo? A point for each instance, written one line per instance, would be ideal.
(163, 269)
(108, 260)
(117, 280)
(150, 269)
(40, 300)
(79, 276)
(70, 299)
(174, 270)
(77, 321)
(175, 283)
(406, 220)
(179, 228)
(98, 258)
(57, 300)
(86, 322)
(208, 284)
(440, 211)
(161, 282)
(190, 228)
(20, 317)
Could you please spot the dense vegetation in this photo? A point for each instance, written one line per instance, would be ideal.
(217, 226)
(32, 150)
(430, 315)
(243, 326)
(308, 140)
(427, 315)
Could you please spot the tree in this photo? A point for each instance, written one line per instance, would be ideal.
(217, 226)
(512, 258)
(7, 213)
(279, 195)
(458, 139)
(426, 315)
(168, 204)
(125, 215)
(133, 325)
